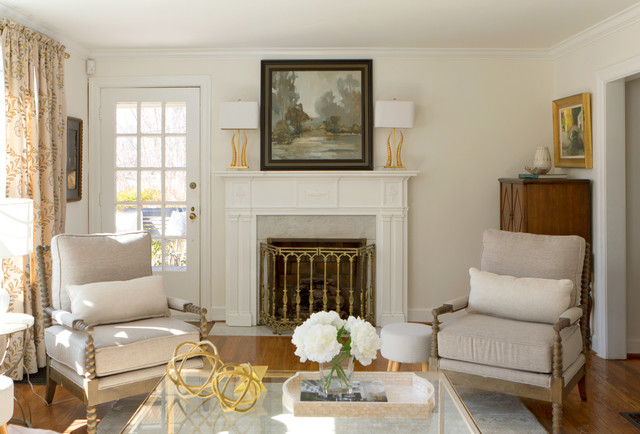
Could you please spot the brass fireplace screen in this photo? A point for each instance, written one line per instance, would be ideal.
(301, 277)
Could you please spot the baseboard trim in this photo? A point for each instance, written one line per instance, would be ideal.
(633, 345)
(217, 313)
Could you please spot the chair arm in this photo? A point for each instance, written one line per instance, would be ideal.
(573, 314)
(176, 303)
(458, 303)
(63, 317)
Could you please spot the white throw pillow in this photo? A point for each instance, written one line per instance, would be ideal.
(118, 301)
(519, 298)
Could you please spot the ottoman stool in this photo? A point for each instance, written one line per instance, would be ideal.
(406, 343)
(6, 402)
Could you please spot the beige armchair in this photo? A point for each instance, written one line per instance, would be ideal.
(108, 331)
(525, 329)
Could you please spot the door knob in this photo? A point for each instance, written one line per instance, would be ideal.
(192, 216)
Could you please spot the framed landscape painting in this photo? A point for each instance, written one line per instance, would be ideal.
(316, 115)
(74, 159)
(572, 131)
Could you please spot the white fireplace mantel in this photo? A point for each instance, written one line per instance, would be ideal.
(381, 193)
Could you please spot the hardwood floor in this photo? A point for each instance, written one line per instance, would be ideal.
(613, 386)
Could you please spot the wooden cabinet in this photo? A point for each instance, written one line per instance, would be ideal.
(546, 206)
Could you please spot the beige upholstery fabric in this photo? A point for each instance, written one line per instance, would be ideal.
(80, 259)
(119, 301)
(526, 255)
(506, 343)
(573, 314)
(121, 347)
(520, 298)
(542, 380)
(123, 379)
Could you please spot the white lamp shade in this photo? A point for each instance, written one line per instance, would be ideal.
(394, 114)
(16, 227)
(239, 115)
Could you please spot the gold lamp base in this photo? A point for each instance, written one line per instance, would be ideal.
(398, 164)
(243, 164)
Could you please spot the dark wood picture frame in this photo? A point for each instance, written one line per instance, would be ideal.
(324, 121)
(74, 159)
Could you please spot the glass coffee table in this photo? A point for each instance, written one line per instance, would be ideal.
(165, 411)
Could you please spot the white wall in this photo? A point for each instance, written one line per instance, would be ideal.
(77, 221)
(476, 120)
(579, 71)
(632, 99)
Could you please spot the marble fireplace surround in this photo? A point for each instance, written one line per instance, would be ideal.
(344, 204)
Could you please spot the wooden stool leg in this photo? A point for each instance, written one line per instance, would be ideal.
(395, 367)
(390, 366)
(425, 367)
(4, 429)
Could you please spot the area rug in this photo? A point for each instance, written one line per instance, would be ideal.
(221, 329)
(495, 413)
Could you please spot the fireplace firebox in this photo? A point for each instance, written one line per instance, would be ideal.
(299, 277)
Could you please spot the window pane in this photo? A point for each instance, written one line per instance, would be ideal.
(151, 118)
(175, 151)
(126, 186)
(176, 221)
(175, 255)
(152, 219)
(126, 218)
(176, 118)
(151, 152)
(156, 255)
(126, 151)
(150, 186)
(175, 185)
(126, 118)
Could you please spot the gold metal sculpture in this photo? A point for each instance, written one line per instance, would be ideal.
(245, 381)
(398, 146)
(243, 164)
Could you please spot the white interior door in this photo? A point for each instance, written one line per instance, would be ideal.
(150, 155)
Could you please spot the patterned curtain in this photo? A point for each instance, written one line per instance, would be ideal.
(36, 117)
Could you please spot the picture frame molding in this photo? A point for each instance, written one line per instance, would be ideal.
(586, 162)
(266, 70)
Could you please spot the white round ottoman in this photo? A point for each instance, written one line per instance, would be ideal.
(406, 343)
(6, 402)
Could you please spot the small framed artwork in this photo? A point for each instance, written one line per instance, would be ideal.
(316, 115)
(572, 131)
(74, 159)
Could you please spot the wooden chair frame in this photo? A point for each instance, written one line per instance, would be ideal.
(557, 390)
(89, 391)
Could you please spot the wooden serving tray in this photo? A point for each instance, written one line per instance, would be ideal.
(408, 396)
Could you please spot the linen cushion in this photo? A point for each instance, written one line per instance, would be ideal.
(406, 342)
(507, 343)
(528, 255)
(80, 259)
(119, 301)
(524, 298)
(121, 347)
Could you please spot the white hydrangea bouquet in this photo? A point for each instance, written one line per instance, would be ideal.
(327, 339)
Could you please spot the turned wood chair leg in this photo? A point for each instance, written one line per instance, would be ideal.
(92, 422)
(425, 367)
(582, 388)
(556, 421)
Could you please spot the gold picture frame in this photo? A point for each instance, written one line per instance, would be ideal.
(572, 131)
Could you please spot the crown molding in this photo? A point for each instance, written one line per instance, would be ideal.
(605, 27)
(266, 53)
(71, 47)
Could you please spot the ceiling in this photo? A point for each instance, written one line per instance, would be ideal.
(254, 24)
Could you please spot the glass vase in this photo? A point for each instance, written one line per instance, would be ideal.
(336, 374)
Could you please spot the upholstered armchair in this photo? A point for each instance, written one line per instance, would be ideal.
(108, 330)
(525, 326)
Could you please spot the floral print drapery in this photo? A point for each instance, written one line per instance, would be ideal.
(36, 117)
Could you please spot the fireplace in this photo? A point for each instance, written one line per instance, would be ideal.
(299, 277)
(315, 204)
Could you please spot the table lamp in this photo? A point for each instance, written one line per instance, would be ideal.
(16, 234)
(396, 115)
(239, 115)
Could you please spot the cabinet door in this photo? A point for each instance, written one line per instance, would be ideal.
(511, 212)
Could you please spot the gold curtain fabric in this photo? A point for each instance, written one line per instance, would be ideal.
(36, 117)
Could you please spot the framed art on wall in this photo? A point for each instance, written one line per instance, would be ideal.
(74, 159)
(572, 131)
(316, 115)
